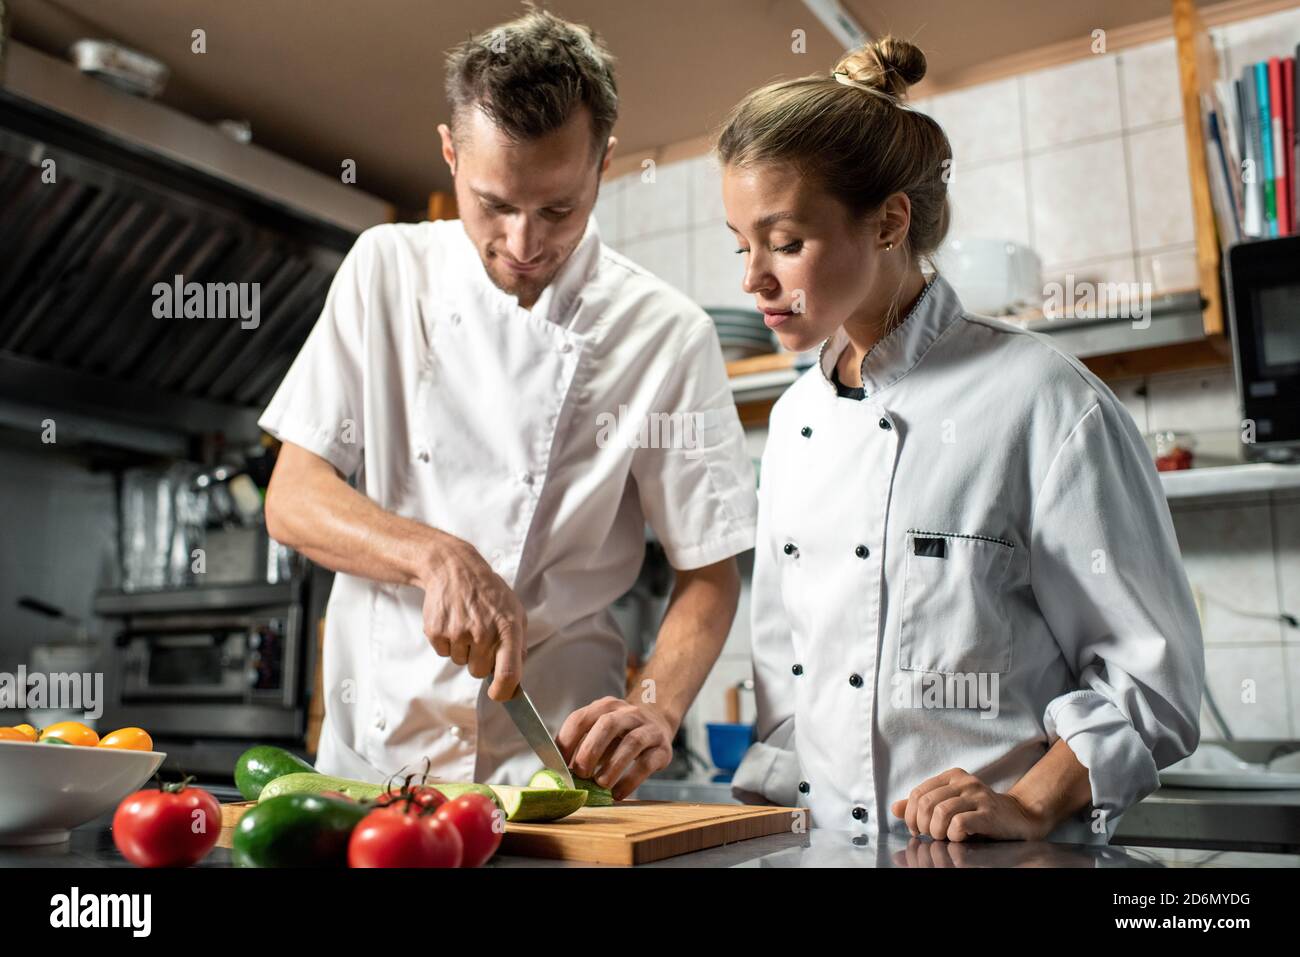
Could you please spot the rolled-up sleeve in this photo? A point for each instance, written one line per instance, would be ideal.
(319, 404)
(697, 487)
(769, 771)
(1108, 577)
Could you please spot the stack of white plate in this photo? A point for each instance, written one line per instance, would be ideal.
(742, 333)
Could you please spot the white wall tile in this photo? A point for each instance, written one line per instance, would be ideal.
(1149, 78)
(609, 211)
(1162, 191)
(738, 643)
(667, 255)
(661, 206)
(1286, 532)
(1080, 202)
(1193, 401)
(1228, 555)
(982, 122)
(1076, 101)
(706, 190)
(1121, 269)
(1249, 41)
(1132, 392)
(1226, 672)
(717, 271)
(709, 705)
(1170, 269)
(990, 201)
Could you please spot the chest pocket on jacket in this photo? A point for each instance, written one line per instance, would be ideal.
(954, 618)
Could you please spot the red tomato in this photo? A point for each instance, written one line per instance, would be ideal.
(479, 823)
(422, 796)
(173, 827)
(395, 837)
(428, 797)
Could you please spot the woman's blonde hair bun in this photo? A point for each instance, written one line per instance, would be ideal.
(889, 64)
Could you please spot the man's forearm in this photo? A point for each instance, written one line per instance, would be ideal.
(691, 637)
(320, 515)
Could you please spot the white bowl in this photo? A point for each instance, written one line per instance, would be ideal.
(48, 789)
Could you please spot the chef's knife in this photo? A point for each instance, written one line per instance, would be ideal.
(529, 722)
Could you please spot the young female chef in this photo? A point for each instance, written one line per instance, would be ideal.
(970, 616)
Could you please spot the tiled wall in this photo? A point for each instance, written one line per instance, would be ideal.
(670, 219)
(1085, 163)
(58, 544)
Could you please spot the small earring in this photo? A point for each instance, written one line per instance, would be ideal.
(888, 246)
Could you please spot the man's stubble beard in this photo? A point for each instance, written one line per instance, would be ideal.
(527, 289)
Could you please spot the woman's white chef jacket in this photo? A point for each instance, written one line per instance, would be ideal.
(987, 513)
(453, 406)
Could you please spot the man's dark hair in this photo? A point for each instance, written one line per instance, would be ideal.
(530, 74)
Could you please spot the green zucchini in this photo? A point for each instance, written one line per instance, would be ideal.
(597, 796)
(538, 804)
(314, 783)
(259, 766)
(518, 803)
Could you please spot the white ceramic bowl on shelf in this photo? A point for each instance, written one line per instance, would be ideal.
(48, 789)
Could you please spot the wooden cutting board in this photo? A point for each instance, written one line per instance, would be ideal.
(630, 832)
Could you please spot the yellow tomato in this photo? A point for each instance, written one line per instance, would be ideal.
(28, 730)
(128, 739)
(13, 734)
(73, 732)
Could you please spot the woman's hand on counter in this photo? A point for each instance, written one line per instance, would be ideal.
(955, 805)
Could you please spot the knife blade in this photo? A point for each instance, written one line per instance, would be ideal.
(529, 722)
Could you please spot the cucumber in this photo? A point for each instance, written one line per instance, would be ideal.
(597, 796)
(296, 830)
(315, 783)
(454, 789)
(518, 803)
(538, 804)
(259, 766)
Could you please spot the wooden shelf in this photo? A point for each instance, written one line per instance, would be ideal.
(1197, 70)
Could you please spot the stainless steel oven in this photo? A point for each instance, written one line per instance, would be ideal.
(207, 671)
(232, 658)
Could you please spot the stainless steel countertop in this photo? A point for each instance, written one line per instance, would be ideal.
(1237, 820)
(1169, 828)
(92, 846)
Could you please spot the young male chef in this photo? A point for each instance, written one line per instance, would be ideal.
(466, 374)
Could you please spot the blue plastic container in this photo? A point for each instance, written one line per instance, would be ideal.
(728, 744)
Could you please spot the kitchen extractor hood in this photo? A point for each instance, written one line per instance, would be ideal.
(105, 197)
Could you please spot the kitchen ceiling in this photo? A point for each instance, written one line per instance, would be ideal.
(329, 80)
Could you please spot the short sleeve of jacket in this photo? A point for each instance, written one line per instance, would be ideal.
(319, 404)
(697, 490)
